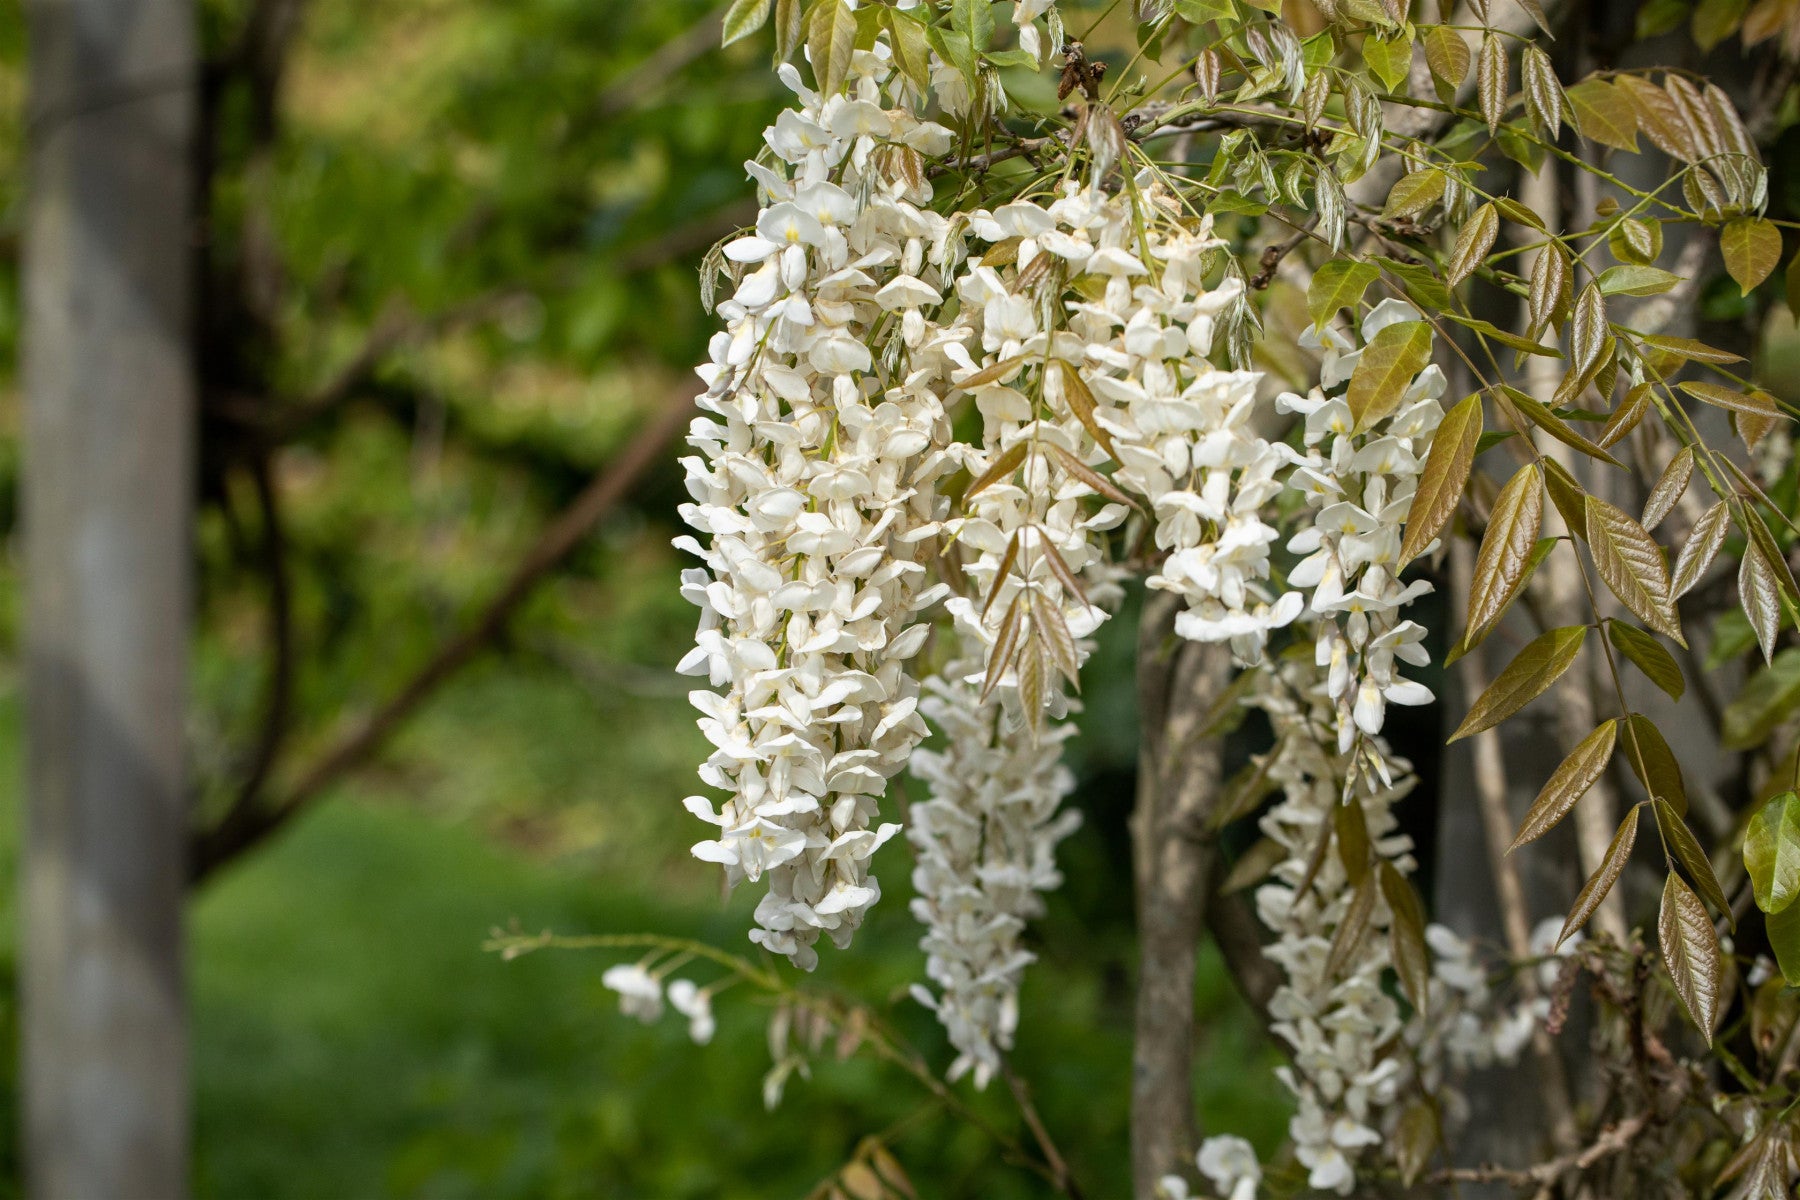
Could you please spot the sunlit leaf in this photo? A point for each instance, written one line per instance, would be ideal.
(1336, 285)
(1594, 891)
(1490, 80)
(1772, 852)
(1752, 250)
(830, 43)
(1686, 849)
(1632, 565)
(1512, 532)
(1690, 950)
(744, 18)
(1650, 759)
(1701, 547)
(1569, 783)
(1603, 114)
(1534, 669)
(1669, 487)
(1387, 367)
(1760, 595)
(1414, 192)
(1473, 243)
(1445, 476)
(1448, 57)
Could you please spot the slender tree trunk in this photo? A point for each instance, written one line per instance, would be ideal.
(1178, 783)
(109, 419)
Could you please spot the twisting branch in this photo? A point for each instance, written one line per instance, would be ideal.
(1178, 781)
(254, 818)
(1612, 1140)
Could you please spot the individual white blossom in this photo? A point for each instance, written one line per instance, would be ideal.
(640, 992)
(1230, 1163)
(694, 1003)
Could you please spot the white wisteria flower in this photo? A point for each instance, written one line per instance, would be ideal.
(695, 1003)
(985, 846)
(640, 992)
(814, 485)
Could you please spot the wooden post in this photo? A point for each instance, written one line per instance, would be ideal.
(108, 480)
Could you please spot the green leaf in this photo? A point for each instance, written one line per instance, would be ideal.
(1352, 839)
(1414, 192)
(1512, 532)
(1632, 565)
(1338, 284)
(1538, 665)
(1445, 476)
(1406, 936)
(1630, 279)
(1659, 17)
(1760, 595)
(910, 45)
(1618, 853)
(1604, 114)
(1770, 697)
(1199, 12)
(1752, 250)
(1421, 283)
(974, 19)
(1490, 80)
(1772, 852)
(1448, 57)
(1755, 402)
(1555, 426)
(1636, 241)
(1352, 929)
(1657, 664)
(744, 18)
(1651, 760)
(1701, 547)
(1569, 783)
(1473, 243)
(1784, 938)
(1386, 369)
(1670, 486)
(1689, 349)
(1716, 20)
(1693, 860)
(831, 41)
(1690, 950)
(1390, 58)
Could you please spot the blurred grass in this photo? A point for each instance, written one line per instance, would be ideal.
(353, 1040)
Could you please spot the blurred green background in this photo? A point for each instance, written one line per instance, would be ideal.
(525, 189)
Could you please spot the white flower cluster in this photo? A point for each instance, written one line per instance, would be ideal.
(641, 995)
(1186, 437)
(815, 484)
(1360, 484)
(1340, 1026)
(985, 846)
(1228, 1162)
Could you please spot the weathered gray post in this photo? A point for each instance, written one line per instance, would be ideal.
(109, 430)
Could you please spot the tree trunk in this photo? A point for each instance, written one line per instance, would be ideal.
(109, 419)
(1178, 783)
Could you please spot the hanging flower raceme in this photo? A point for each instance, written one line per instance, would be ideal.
(1331, 1009)
(1359, 480)
(815, 487)
(985, 846)
(1185, 435)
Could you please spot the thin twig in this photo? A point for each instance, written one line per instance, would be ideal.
(252, 819)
